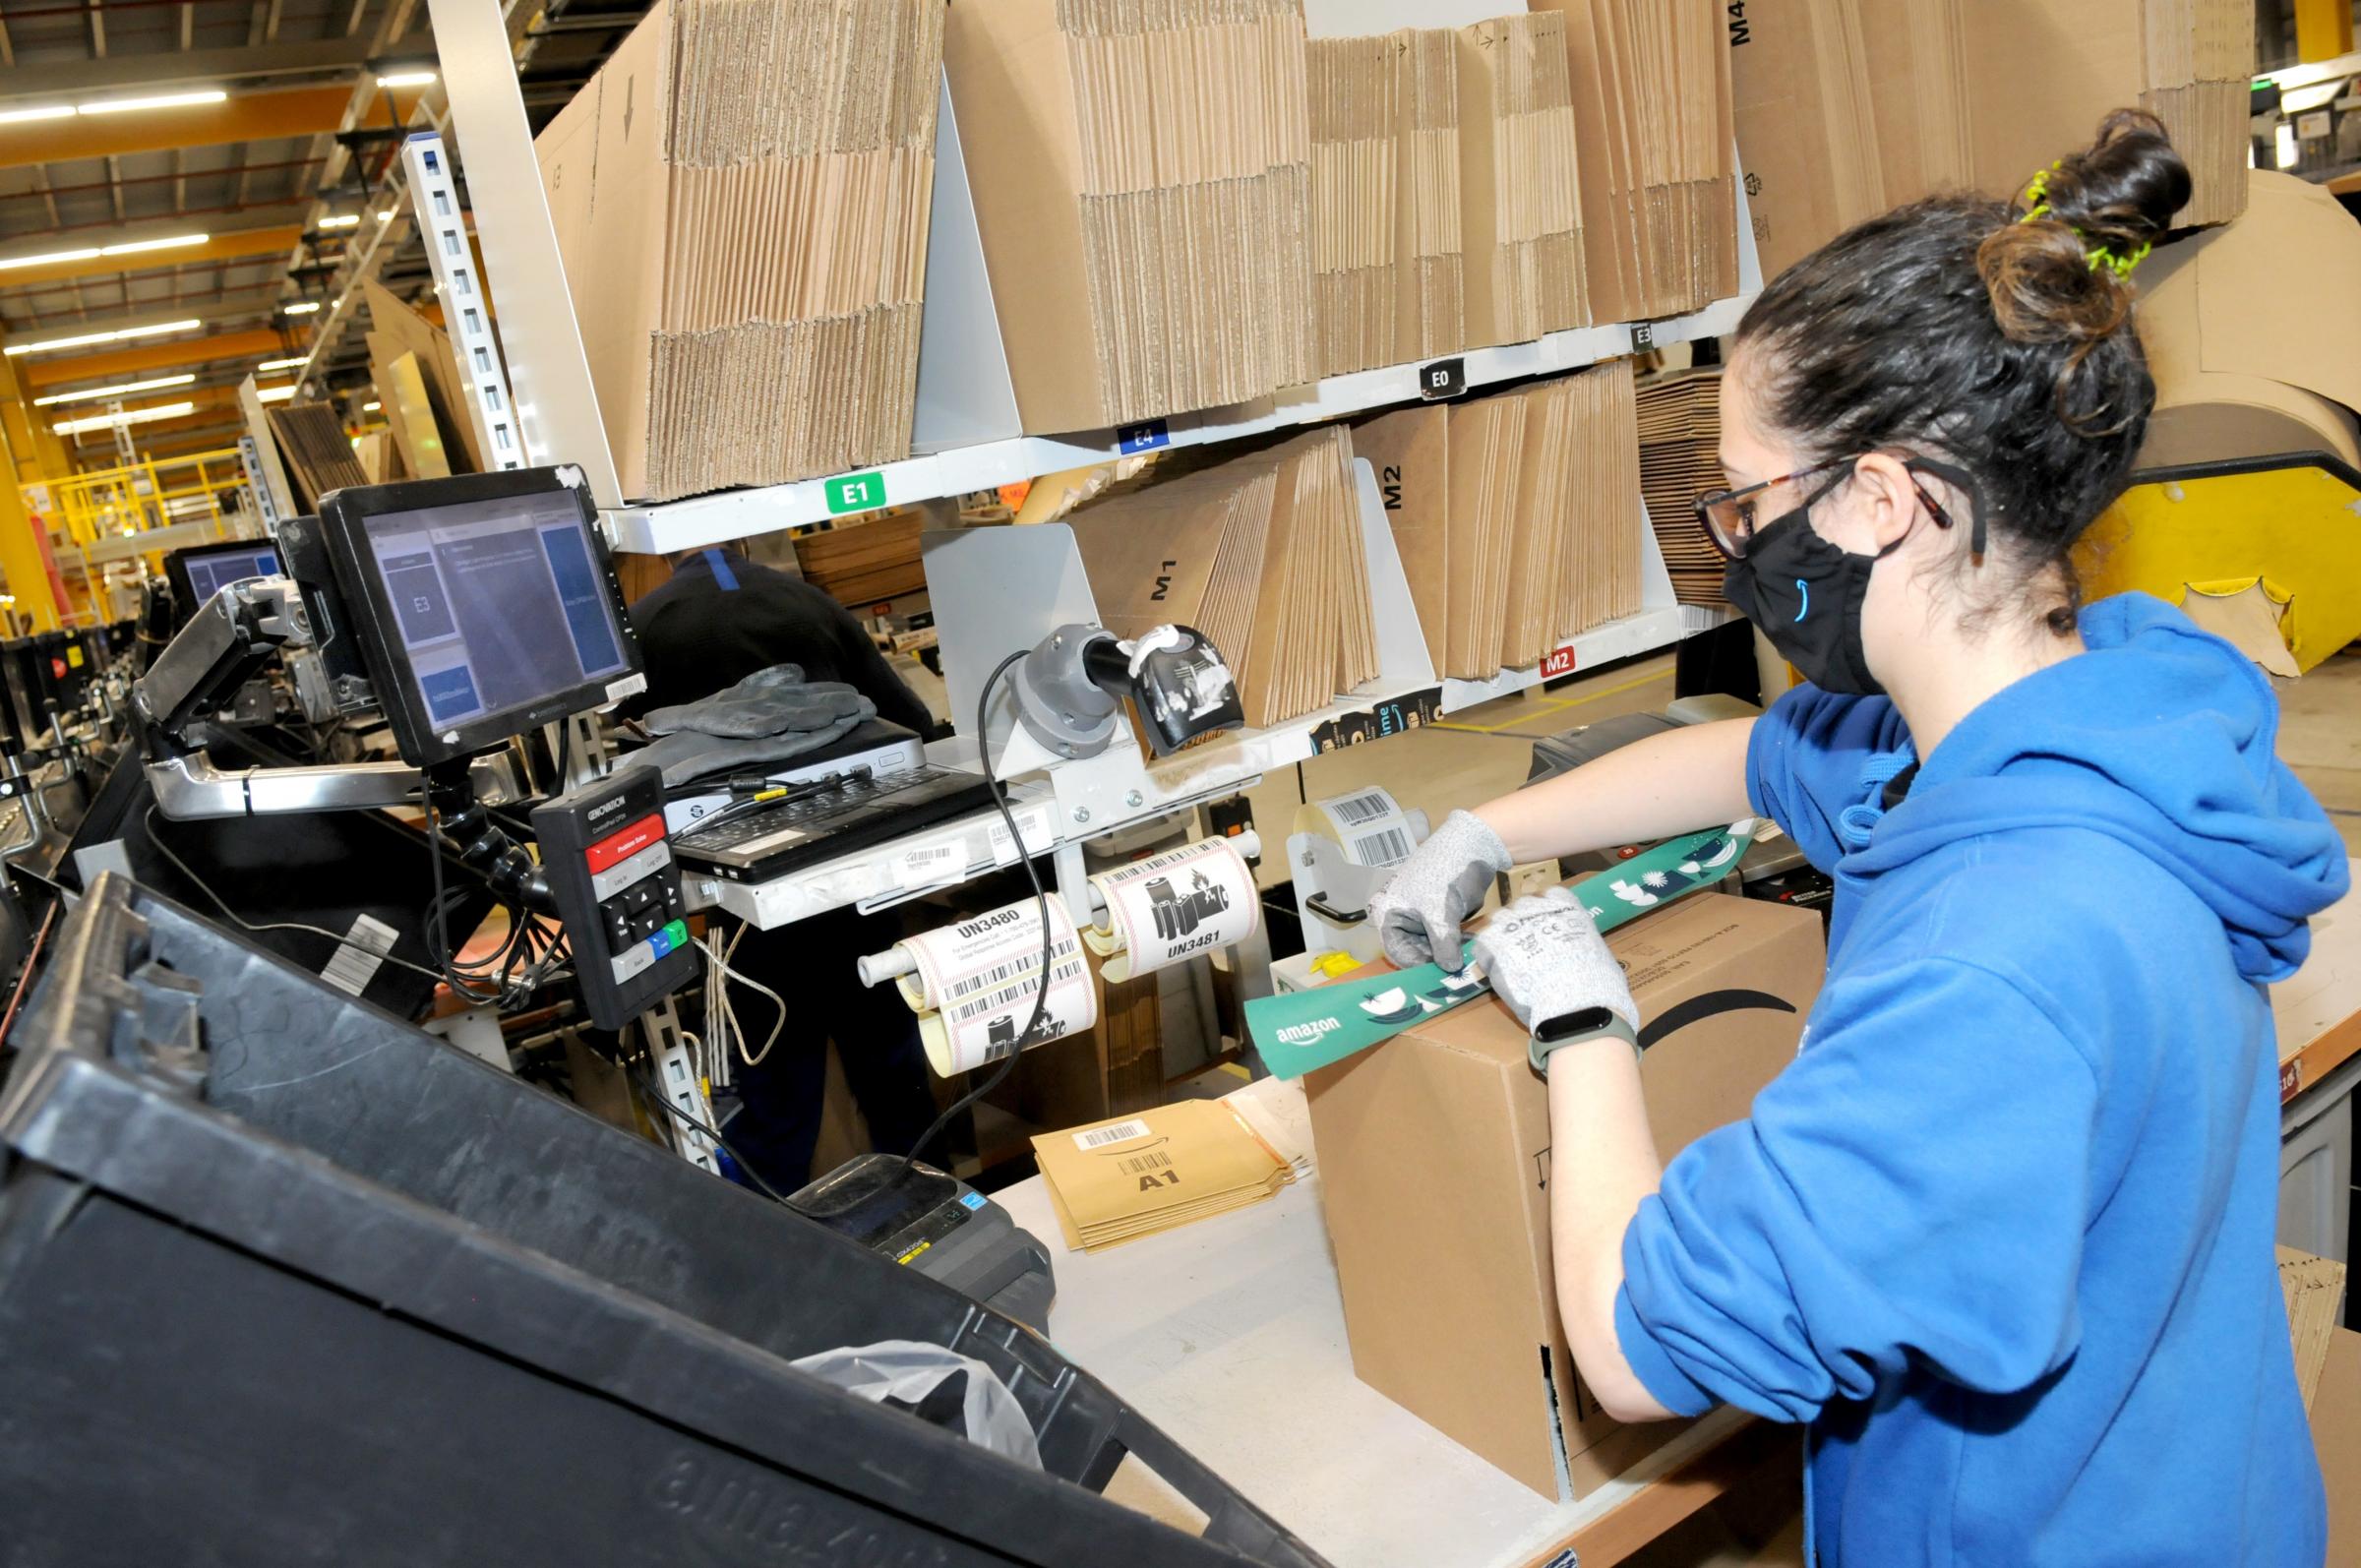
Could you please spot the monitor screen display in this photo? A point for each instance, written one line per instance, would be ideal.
(212, 570)
(499, 604)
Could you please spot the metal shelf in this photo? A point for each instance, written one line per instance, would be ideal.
(661, 529)
(960, 851)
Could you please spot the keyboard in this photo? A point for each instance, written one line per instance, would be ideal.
(827, 817)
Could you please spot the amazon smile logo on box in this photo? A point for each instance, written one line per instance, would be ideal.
(1303, 1034)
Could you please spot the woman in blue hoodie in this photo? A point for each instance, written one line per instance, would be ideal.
(2002, 1234)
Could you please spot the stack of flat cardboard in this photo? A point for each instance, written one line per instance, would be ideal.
(1846, 108)
(1429, 250)
(426, 403)
(1141, 176)
(318, 453)
(2044, 72)
(1122, 1180)
(1520, 204)
(1516, 515)
(868, 563)
(747, 255)
(1651, 90)
(1680, 443)
(1354, 183)
(1263, 553)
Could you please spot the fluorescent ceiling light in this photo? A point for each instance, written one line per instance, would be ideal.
(348, 221)
(406, 78)
(54, 111)
(129, 416)
(280, 364)
(301, 307)
(168, 100)
(92, 253)
(123, 390)
(371, 408)
(276, 395)
(121, 335)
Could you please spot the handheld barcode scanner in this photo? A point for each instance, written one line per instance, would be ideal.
(1070, 689)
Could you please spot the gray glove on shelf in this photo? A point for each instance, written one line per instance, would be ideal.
(1436, 891)
(1545, 957)
(772, 716)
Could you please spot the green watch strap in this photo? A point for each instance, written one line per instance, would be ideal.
(1538, 1050)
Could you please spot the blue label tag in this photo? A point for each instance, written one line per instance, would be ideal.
(973, 1200)
(1146, 436)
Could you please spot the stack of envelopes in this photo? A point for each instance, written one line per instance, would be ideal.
(1121, 1181)
(1263, 553)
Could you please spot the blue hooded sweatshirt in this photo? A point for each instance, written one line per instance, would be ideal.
(2002, 1233)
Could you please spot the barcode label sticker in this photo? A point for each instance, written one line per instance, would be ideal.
(1355, 809)
(360, 955)
(923, 867)
(1388, 846)
(1032, 821)
(1101, 1137)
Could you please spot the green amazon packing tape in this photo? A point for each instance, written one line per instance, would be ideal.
(1300, 1030)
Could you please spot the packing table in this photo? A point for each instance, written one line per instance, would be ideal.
(1230, 1335)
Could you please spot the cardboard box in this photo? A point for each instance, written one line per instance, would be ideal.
(1433, 1154)
(2253, 354)
(2337, 1438)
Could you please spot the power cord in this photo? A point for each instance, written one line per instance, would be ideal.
(648, 1088)
(1041, 897)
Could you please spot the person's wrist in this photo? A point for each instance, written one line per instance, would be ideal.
(1581, 1029)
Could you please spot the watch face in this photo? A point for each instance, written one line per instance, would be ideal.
(1571, 1025)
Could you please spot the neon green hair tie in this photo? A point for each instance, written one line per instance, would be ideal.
(2121, 266)
(2037, 193)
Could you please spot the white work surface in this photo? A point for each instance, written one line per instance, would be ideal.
(1230, 1335)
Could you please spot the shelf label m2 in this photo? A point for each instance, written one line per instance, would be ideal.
(855, 493)
(1560, 662)
(1146, 436)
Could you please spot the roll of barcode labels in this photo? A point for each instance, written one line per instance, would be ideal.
(1172, 906)
(974, 985)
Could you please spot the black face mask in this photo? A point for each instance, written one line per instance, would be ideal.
(1806, 595)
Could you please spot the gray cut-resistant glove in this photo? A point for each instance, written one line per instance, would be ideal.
(772, 701)
(1545, 957)
(1420, 911)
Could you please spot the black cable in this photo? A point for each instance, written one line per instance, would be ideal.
(237, 919)
(648, 1088)
(1041, 896)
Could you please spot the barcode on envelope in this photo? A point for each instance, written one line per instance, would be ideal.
(1142, 1164)
(1120, 1133)
(1388, 846)
(1355, 809)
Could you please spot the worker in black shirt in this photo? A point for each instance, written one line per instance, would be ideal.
(720, 618)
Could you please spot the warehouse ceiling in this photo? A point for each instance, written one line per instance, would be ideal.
(180, 172)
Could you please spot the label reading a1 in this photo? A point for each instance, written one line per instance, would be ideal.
(856, 492)
(1146, 436)
(1442, 378)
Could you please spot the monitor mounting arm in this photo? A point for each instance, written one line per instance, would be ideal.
(231, 637)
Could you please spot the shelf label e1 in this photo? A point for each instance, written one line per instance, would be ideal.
(854, 492)
(1146, 436)
(1560, 662)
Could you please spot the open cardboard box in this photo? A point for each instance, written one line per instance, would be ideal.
(1433, 1153)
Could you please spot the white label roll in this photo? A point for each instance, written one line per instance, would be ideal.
(1172, 906)
(977, 982)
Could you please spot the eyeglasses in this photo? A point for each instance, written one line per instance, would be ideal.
(1730, 517)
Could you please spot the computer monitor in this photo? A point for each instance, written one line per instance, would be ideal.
(484, 605)
(201, 571)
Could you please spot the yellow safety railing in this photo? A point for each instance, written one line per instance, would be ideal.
(153, 493)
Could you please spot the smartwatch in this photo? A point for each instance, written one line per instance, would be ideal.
(1572, 1028)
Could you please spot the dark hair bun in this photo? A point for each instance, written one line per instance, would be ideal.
(2119, 194)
